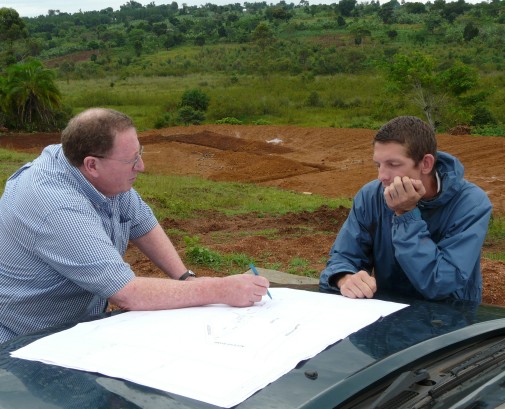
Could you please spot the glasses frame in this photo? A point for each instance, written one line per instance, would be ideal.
(133, 162)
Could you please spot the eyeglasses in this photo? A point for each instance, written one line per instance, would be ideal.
(128, 162)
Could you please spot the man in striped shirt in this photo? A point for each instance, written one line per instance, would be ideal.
(65, 222)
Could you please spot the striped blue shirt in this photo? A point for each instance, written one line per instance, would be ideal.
(62, 244)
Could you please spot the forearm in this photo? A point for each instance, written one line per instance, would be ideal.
(438, 266)
(346, 257)
(144, 293)
(159, 249)
(352, 249)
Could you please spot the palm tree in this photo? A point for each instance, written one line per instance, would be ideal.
(30, 97)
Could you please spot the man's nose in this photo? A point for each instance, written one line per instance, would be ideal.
(382, 174)
(139, 166)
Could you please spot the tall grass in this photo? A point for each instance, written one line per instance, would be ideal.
(344, 100)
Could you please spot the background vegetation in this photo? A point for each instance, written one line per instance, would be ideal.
(347, 64)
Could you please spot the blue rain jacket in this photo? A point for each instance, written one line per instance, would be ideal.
(431, 252)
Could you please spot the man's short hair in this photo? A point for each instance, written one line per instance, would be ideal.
(416, 135)
(92, 133)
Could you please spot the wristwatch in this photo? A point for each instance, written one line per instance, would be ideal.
(186, 275)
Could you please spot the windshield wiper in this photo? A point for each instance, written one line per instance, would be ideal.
(399, 390)
(423, 387)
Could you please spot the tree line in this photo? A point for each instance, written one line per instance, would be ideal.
(435, 52)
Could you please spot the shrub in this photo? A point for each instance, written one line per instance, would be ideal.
(196, 99)
(482, 116)
(314, 100)
(188, 115)
(165, 121)
(489, 130)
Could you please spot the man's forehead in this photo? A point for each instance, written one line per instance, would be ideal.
(126, 136)
(390, 149)
(125, 145)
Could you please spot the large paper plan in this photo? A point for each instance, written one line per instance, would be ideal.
(217, 354)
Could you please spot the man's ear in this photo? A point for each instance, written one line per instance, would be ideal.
(89, 166)
(427, 164)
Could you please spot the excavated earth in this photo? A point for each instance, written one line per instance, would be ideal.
(326, 161)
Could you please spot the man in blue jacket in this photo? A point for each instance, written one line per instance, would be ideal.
(416, 231)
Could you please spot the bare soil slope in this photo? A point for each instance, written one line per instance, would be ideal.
(325, 161)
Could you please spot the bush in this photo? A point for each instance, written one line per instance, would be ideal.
(195, 99)
(165, 121)
(188, 115)
(489, 130)
(482, 116)
(314, 100)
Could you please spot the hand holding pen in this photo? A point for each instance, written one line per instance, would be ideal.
(251, 266)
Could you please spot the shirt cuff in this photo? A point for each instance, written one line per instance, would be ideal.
(414, 214)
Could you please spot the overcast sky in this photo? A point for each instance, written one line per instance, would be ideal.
(33, 8)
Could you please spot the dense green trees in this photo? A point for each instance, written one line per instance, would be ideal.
(431, 88)
(60, 33)
(12, 28)
(456, 43)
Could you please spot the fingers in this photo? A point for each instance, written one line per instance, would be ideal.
(419, 187)
(358, 285)
(403, 194)
(244, 290)
(400, 187)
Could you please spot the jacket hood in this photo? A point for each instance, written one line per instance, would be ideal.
(451, 172)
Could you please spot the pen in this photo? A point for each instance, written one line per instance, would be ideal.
(257, 274)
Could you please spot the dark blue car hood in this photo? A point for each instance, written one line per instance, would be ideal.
(329, 379)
